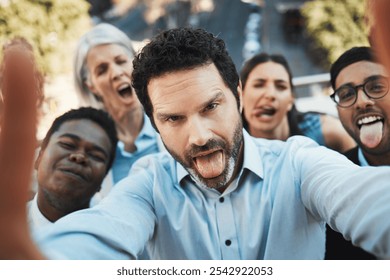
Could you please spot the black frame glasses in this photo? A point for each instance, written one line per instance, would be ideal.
(374, 88)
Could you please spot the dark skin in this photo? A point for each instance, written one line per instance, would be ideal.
(71, 168)
(17, 142)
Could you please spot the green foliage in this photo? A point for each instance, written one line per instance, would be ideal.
(335, 26)
(51, 26)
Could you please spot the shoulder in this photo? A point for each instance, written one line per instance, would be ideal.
(147, 173)
(352, 155)
(162, 159)
(278, 147)
(152, 167)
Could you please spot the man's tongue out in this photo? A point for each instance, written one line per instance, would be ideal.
(211, 165)
(371, 134)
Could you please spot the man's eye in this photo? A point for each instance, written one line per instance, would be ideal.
(376, 87)
(66, 145)
(173, 118)
(211, 106)
(346, 94)
(98, 157)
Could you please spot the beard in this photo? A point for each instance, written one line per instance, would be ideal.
(231, 150)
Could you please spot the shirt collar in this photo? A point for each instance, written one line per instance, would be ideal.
(252, 159)
(362, 159)
(36, 216)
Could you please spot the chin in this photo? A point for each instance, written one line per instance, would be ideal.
(218, 182)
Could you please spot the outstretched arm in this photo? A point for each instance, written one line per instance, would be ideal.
(17, 144)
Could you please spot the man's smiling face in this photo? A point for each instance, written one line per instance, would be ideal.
(367, 121)
(200, 123)
(72, 166)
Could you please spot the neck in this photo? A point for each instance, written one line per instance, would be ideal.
(129, 127)
(377, 160)
(54, 212)
(281, 132)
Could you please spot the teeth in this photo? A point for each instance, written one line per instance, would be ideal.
(369, 119)
(124, 86)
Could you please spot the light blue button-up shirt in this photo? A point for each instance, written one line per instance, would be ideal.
(275, 209)
(146, 143)
(362, 159)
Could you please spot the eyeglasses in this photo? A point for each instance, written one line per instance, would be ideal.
(375, 88)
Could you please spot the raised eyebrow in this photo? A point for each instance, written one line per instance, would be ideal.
(163, 116)
(77, 138)
(373, 77)
(217, 96)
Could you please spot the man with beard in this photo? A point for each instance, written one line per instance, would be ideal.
(75, 156)
(361, 86)
(221, 194)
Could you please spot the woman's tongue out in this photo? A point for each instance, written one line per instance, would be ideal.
(210, 165)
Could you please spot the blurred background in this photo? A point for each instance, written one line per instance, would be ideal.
(310, 34)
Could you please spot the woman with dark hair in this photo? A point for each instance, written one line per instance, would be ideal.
(270, 112)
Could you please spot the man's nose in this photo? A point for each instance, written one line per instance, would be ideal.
(78, 157)
(199, 131)
(362, 100)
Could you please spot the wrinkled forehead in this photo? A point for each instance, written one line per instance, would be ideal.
(184, 85)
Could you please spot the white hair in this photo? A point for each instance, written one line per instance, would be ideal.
(101, 34)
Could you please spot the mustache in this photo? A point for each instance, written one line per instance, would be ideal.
(211, 144)
(366, 111)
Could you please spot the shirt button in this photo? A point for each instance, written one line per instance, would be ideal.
(221, 199)
(228, 242)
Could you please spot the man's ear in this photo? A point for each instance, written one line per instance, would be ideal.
(38, 159)
(239, 90)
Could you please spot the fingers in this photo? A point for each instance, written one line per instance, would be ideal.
(381, 31)
(17, 145)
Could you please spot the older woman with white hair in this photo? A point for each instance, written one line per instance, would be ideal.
(102, 72)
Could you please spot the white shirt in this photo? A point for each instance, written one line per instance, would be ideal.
(35, 217)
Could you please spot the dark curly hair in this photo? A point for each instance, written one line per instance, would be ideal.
(181, 49)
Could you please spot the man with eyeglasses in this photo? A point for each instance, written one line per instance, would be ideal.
(361, 86)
